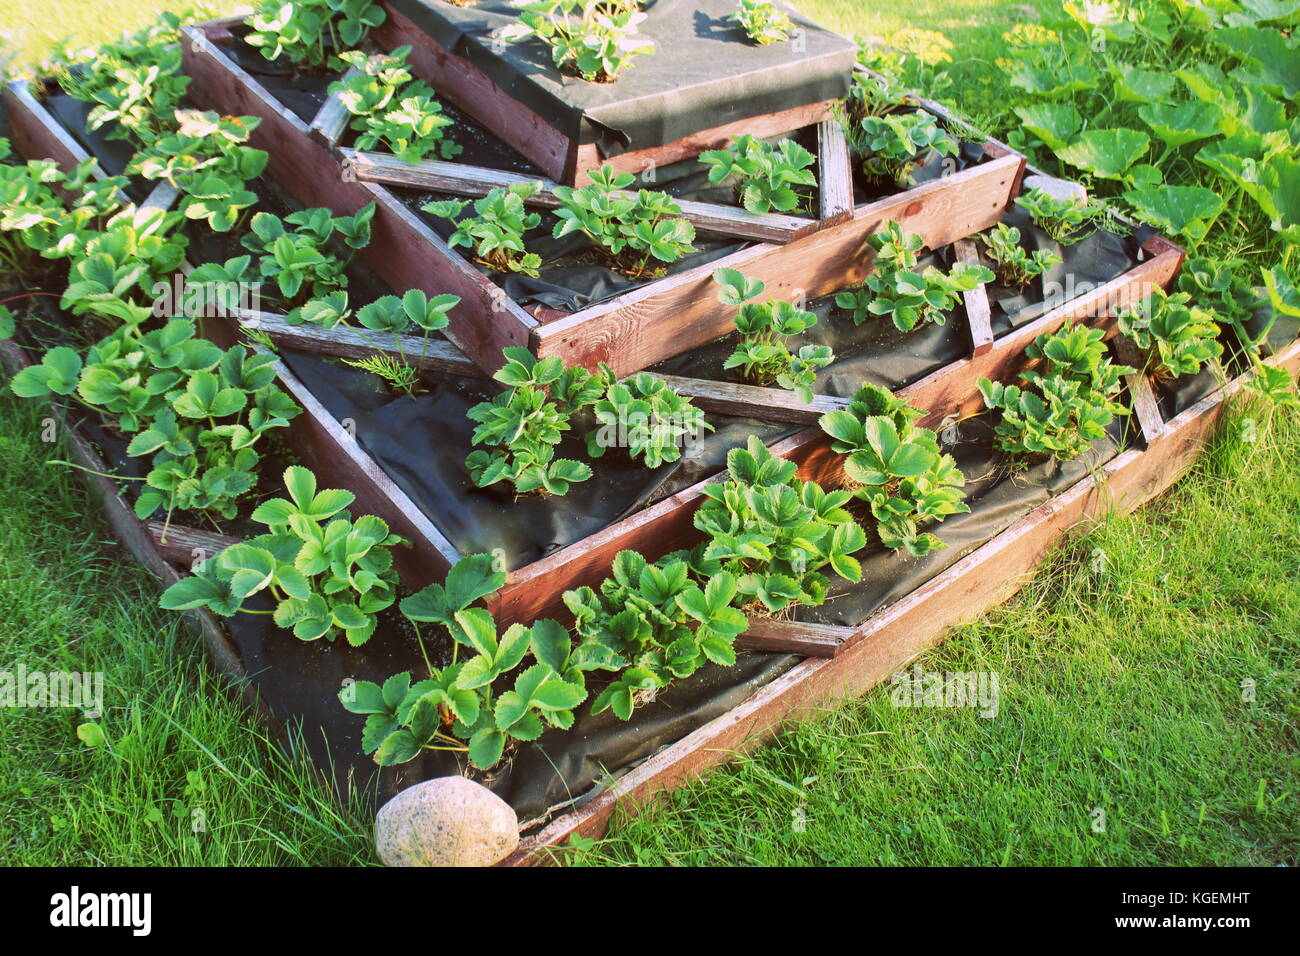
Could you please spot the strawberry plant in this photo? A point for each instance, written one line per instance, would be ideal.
(630, 228)
(293, 251)
(763, 21)
(523, 425)
(207, 159)
(198, 410)
(909, 298)
(496, 231)
(471, 705)
(647, 417)
(1274, 386)
(306, 31)
(33, 218)
(1015, 266)
(593, 39)
(328, 574)
(896, 467)
(1065, 406)
(392, 110)
(893, 145)
(1067, 219)
(776, 533)
(764, 175)
(1218, 287)
(134, 83)
(762, 355)
(1177, 337)
(653, 623)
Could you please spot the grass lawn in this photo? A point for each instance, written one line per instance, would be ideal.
(1123, 735)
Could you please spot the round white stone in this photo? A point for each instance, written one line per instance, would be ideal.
(1057, 188)
(448, 821)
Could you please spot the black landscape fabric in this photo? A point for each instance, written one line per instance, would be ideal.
(422, 442)
(703, 73)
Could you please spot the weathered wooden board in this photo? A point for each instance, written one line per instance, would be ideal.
(682, 311)
(403, 250)
(461, 179)
(889, 640)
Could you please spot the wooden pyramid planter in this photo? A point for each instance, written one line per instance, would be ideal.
(630, 331)
(557, 121)
(534, 589)
(634, 332)
(869, 654)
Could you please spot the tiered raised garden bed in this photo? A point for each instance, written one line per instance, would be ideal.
(637, 330)
(665, 108)
(632, 330)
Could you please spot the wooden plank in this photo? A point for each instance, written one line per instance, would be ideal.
(460, 82)
(121, 519)
(1145, 407)
(334, 453)
(637, 161)
(680, 312)
(978, 312)
(896, 636)
(403, 251)
(187, 546)
(332, 118)
(535, 590)
(835, 171)
(794, 637)
(435, 355)
(947, 394)
(466, 180)
(163, 196)
(953, 390)
(753, 401)
(727, 398)
(555, 153)
(36, 135)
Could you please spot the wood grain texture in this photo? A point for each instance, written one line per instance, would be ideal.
(434, 355)
(589, 156)
(1145, 407)
(36, 134)
(978, 312)
(835, 170)
(682, 311)
(466, 180)
(403, 250)
(187, 546)
(981, 580)
(332, 119)
(794, 637)
(469, 88)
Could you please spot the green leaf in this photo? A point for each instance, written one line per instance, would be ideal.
(1272, 61)
(1182, 124)
(1106, 152)
(1184, 210)
(92, 735)
(1054, 123)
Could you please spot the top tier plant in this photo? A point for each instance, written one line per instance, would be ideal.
(763, 21)
(309, 31)
(593, 39)
(888, 138)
